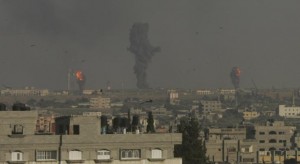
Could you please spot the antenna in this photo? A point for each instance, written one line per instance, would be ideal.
(69, 79)
(293, 99)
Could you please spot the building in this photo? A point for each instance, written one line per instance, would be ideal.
(173, 97)
(28, 91)
(78, 140)
(273, 143)
(274, 136)
(204, 92)
(211, 106)
(248, 115)
(100, 102)
(289, 112)
(230, 145)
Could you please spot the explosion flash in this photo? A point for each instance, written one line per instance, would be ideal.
(235, 77)
(80, 77)
(143, 52)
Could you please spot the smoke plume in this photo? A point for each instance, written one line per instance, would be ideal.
(235, 77)
(143, 52)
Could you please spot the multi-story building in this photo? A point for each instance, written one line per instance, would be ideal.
(274, 136)
(211, 106)
(230, 145)
(100, 102)
(78, 140)
(289, 111)
(274, 143)
(173, 97)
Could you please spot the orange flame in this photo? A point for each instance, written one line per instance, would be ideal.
(79, 75)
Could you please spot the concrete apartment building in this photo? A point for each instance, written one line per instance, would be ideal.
(211, 106)
(230, 145)
(274, 136)
(273, 143)
(78, 140)
(289, 111)
(100, 102)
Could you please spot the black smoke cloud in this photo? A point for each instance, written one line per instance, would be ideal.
(235, 77)
(143, 52)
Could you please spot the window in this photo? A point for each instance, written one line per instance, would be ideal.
(261, 141)
(130, 154)
(272, 141)
(17, 156)
(261, 149)
(156, 153)
(76, 129)
(281, 133)
(247, 149)
(46, 155)
(18, 129)
(103, 154)
(75, 155)
(261, 133)
(231, 149)
(250, 160)
(272, 132)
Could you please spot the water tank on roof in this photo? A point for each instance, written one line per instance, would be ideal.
(20, 107)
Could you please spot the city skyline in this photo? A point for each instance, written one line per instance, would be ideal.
(201, 41)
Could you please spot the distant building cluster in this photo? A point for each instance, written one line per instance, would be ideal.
(27, 91)
(273, 142)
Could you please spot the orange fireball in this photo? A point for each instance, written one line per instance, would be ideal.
(79, 75)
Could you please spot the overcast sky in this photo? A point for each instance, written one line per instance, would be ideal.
(200, 40)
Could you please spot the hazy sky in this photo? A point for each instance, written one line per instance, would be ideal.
(200, 40)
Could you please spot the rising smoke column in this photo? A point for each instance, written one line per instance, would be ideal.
(80, 77)
(143, 52)
(235, 77)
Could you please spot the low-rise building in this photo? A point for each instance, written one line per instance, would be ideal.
(289, 111)
(78, 140)
(230, 145)
(100, 102)
(248, 115)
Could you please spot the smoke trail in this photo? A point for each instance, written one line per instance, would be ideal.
(80, 77)
(143, 52)
(235, 77)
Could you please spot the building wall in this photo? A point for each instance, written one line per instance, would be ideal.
(100, 102)
(26, 119)
(31, 148)
(28, 145)
(289, 112)
(274, 135)
(211, 106)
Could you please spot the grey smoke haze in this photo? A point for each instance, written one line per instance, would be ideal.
(40, 40)
(143, 52)
(235, 77)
